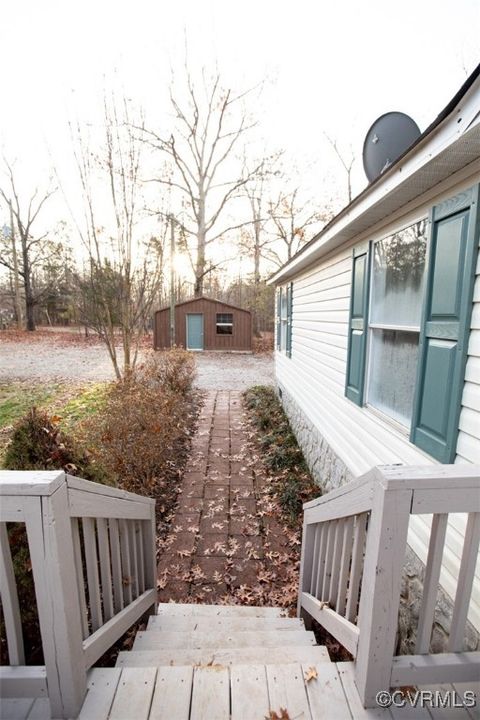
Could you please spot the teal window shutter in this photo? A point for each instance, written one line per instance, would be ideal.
(445, 325)
(358, 325)
(289, 319)
(278, 320)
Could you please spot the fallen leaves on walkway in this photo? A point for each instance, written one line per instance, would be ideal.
(247, 554)
(311, 674)
(283, 715)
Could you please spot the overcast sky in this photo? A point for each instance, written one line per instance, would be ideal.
(330, 66)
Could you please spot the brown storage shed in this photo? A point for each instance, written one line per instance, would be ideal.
(205, 324)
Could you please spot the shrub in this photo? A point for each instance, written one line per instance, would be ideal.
(141, 431)
(39, 444)
(173, 370)
(290, 477)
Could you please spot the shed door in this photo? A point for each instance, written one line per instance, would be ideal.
(195, 331)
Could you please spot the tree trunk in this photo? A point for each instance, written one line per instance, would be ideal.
(201, 245)
(16, 281)
(27, 284)
(256, 280)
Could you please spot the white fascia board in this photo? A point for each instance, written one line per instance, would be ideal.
(460, 122)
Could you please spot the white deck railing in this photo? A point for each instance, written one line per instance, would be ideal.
(92, 552)
(353, 554)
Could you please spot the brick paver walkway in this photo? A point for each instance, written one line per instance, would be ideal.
(223, 536)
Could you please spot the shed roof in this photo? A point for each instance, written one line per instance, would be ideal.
(207, 299)
(449, 144)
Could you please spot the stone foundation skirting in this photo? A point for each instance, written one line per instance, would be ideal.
(330, 472)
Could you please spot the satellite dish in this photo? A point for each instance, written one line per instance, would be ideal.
(388, 138)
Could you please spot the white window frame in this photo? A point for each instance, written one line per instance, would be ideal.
(404, 429)
(283, 319)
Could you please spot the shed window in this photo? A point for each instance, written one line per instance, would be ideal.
(224, 323)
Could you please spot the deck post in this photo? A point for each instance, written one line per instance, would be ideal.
(50, 541)
(380, 596)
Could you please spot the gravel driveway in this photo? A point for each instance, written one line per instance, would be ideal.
(45, 359)
(231, 371)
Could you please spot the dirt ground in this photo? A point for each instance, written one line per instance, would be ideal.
(53, 356)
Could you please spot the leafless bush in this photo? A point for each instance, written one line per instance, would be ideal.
(140, 435)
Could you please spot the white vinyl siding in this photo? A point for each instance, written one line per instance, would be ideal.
(315, 378)
(468, 445)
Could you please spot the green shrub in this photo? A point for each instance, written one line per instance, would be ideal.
(283, 459)
(39, 444)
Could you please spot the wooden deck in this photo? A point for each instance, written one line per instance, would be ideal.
(212, 662)
(238, 692)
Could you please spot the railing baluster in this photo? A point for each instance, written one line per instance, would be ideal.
(321, 560)
(337, 554)
(140, 555)
(465, 583)
(430, 583)
(10, 604)
(357, 566)
(133, 558)
(316, 548)
(332, 525)
(126, 568)
(116, 564)
(341, 600)
(77, 550)
(93, 581)
(105, 571)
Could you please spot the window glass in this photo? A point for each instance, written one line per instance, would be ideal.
(393, 367)
(398, 271)
(224, 323)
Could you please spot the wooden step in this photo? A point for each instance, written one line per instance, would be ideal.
(224, 656)
(237, 692)
(188, 610)
(156, 639)
(227, 624)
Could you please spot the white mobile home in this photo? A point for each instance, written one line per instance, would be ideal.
(378, 323)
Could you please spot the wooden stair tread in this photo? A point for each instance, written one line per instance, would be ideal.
(226, 624)
(153, 639)
(224, 656)
(187, 610)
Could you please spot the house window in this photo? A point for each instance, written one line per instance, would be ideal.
(224, 324)
(396, 296)
(284, 319)
(410, 320)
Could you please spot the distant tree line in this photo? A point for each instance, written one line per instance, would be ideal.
(148, 196)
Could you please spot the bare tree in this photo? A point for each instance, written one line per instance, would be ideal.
(207, 174)
(347, 164)
(291, 219)
(123, 271)
(255, 238)
(32, 249)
